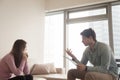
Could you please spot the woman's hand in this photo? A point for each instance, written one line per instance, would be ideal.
(25, 55)
(69, 52)
(81, 67)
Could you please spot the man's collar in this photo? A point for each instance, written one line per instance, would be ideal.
(95, 46)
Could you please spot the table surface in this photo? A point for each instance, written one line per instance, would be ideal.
(53, 76)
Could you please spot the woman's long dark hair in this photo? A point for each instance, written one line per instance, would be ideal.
(17, 51)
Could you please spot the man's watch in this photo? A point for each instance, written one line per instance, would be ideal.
(86, 68)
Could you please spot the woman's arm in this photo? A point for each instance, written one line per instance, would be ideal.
(11, 64)
(26, 68)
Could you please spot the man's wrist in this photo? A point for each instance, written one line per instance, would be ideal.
(86, 68)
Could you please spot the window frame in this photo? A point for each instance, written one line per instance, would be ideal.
(67, 20)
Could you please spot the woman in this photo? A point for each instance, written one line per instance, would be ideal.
(14, 62)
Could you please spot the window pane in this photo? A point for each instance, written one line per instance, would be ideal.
(75, 40)
(116, 29)
(87, 13)
(54, 40)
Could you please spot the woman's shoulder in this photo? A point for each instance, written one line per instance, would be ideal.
(8, 56)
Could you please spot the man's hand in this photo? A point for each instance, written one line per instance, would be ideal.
(69, 52)
(81, 67)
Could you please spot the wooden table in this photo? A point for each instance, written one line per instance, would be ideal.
(53, 76)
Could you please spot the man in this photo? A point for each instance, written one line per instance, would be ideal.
(97, 53)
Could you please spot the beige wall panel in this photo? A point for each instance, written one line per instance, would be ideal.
(22, 19)
(52, 5)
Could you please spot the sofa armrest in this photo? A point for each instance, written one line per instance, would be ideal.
(60, 70)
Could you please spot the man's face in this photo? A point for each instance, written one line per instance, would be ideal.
(85, 40)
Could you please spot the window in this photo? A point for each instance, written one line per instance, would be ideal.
(74, 41)
(87, 13)
(116, 29)
(62, 30)
(53, 49)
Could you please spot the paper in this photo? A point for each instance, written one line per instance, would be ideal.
(70, 60)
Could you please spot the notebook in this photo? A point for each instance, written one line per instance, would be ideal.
(71, 60)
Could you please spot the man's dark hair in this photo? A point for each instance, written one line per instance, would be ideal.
(89, 32)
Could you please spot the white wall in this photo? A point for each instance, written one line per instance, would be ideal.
(52, 5)
(22, 19)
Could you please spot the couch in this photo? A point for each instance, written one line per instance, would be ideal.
(40, 70)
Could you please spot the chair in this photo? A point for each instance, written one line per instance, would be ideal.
(118, 64)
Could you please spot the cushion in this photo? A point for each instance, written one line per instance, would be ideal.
(43, 69)
(31, 63)
(39, 69)
(51, 68)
